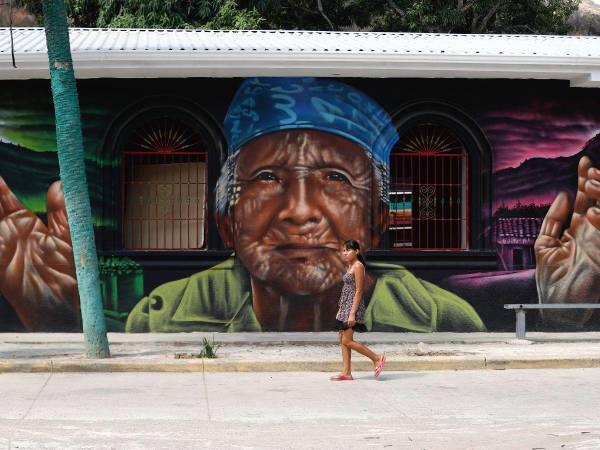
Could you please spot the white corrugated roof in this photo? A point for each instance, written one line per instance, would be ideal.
(186, 53)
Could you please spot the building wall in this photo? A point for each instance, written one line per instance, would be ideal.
(489, 150)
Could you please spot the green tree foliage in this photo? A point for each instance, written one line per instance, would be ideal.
(477, 16)
(229, 17)
(435, 16)
(438, 16)
(222, 14)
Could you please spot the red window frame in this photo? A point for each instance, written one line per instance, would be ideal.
(429, 203)
(164, 157)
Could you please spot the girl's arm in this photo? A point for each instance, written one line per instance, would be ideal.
(359, 277)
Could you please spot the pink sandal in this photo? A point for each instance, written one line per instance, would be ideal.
(341, 377)
(379, 366)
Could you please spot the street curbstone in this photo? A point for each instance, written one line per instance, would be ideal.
(468, 362)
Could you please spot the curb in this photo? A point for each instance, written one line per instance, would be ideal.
(211, 365)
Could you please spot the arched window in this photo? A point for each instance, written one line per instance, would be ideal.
(164, 194)
(428, 190)
(439, 180)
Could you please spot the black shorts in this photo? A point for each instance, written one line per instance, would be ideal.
(340, 326)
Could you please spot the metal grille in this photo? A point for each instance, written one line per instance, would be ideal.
(165, 200)
(429, 190)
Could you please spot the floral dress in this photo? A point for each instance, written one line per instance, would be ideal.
(345, 304)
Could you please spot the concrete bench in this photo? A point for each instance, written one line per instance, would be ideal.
(521, 309)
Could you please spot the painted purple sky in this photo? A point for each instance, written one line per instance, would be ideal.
(539, 128)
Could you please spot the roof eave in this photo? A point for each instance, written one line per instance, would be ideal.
(581, 72)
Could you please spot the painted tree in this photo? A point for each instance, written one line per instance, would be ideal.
(72, 172)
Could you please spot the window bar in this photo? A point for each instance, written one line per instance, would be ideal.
(458, 202)
(155, 163)
(397, 231)
(420, 218)
(399, 184)
(200, 217)
(413, 221)
(197, 204)
(395, 183)
(459, 212)
(190, 216)
(157, 182)
(205, 209)
(133, 205)
(403, 188)
(188, 219)
(444, 189)
(202, 188)
(169, 184)
(467, 202)
(171, 218)
(459, 188)
(411, 186)
(164, 215)
(180, 193)
(428, 219)
(435, 239)
(459, 215)
(452, 201)
(392, 207)
(132, 220)
(125, 184)
(164, 181)
(451, 206)
(140, 185)
(140, 221)
(145, 220)
(144, 186)
(139, 233)
(464, 204)
(123, 193)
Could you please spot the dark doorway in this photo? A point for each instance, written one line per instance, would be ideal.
(517, 258)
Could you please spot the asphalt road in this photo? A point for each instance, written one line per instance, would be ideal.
(516, 409)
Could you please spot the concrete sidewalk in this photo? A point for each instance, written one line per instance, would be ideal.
(277, 352)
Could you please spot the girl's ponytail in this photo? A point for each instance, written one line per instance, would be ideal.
(362, 259)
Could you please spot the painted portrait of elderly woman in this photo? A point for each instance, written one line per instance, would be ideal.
(307, 169)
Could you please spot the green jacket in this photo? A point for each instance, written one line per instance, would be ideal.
(220, 299)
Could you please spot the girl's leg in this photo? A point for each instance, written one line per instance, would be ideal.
(346, 357)
(350, 343)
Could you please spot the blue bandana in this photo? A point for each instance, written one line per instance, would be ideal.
(266, 105)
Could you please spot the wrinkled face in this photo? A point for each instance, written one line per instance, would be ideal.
(300, 195)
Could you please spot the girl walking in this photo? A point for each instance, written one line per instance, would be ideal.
(351, 315)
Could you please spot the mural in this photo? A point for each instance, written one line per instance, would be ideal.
(545, 220)
(306, 171)
(310, 163)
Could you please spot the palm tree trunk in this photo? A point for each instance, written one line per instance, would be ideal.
(72, 173)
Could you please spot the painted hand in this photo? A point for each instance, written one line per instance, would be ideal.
(568, 263)
(37, 272)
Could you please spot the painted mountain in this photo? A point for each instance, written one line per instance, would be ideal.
(29, 174)
(539, 180)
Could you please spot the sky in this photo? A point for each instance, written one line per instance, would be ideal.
(539, 128)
